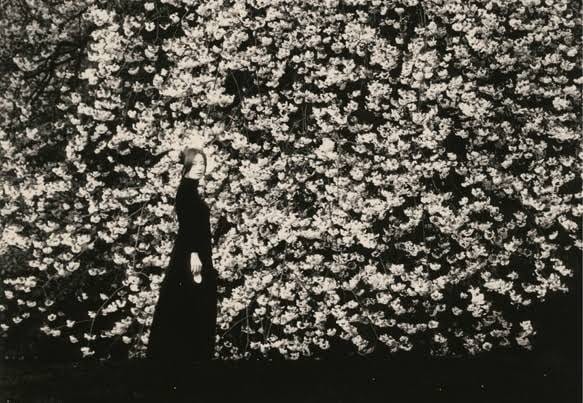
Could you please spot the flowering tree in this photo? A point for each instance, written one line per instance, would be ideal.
(398, 175)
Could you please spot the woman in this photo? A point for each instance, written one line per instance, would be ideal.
(184, 324)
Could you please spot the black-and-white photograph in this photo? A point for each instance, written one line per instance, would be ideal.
(291, 201)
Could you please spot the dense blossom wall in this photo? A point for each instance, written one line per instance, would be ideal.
(397, 175)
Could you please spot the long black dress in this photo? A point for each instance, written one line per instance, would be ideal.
(184, 323)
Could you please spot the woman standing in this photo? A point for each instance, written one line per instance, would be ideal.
(184, 323)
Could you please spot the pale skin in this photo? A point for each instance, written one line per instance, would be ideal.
(196, 172)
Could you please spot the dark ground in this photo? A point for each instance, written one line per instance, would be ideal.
(516, 377)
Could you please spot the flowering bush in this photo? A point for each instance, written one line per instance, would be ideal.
(398, 175)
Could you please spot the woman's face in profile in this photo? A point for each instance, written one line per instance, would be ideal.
(198, 168)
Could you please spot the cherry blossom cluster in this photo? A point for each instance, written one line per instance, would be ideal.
(397, 175)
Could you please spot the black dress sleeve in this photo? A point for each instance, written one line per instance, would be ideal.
(191, 220)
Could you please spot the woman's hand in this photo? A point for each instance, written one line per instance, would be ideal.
(196, 267)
